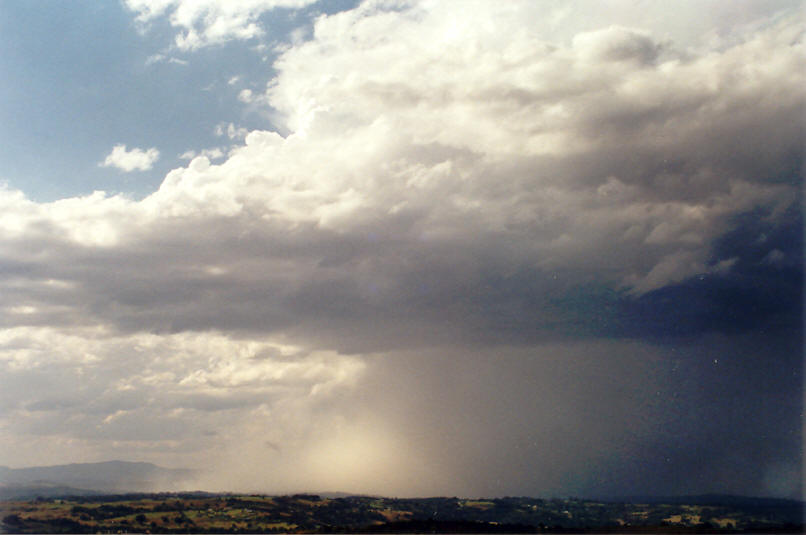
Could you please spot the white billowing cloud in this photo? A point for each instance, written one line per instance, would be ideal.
(173, 389)
(536, 130)
(210, 22)
(245, 96)
(93, 220)
(131, 160)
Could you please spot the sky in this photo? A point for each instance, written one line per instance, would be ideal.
(408, 248)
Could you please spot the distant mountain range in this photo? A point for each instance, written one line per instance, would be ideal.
(89, 479)
(117, 477)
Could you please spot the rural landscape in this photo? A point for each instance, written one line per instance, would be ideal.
(305, 513)
(116, 497)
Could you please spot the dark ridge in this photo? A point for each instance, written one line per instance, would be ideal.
(709, 499)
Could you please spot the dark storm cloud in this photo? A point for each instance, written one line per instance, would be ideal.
(355, 283)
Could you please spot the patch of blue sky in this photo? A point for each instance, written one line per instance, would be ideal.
(81, 77)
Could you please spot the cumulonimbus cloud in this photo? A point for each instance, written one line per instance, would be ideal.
(417, 175)
(423, 172)
(450, 177)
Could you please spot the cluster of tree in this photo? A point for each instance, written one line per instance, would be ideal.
(104, 511)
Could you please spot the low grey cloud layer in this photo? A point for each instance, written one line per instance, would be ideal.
(482, 261)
